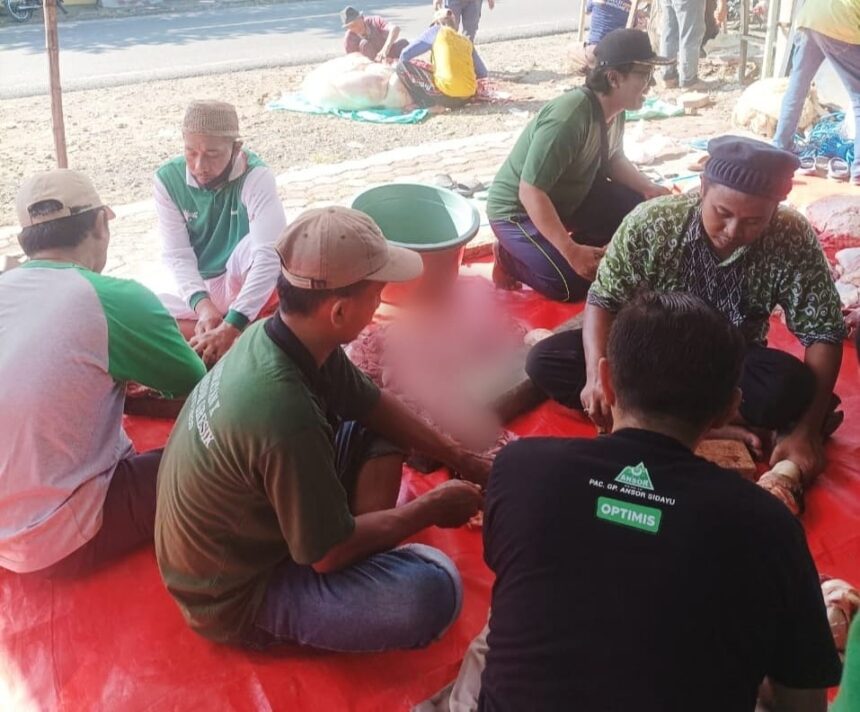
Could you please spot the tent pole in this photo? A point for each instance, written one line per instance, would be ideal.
(53, 46)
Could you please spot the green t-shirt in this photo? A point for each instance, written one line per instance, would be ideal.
(248, 476)
(848, 699)
(558, 152)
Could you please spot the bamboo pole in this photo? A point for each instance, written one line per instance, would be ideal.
(580, 29)
(631, 16)
(52, 44)
(773, 11)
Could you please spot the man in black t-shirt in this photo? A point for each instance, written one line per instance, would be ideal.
(632, 574)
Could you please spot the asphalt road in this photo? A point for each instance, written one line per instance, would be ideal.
(222, 38)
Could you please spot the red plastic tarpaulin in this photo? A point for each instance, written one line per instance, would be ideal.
(115, 640)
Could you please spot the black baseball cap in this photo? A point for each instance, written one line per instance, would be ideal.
(625, 46)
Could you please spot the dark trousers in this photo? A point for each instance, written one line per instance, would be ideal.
(422, 89)
(528, 256)
(128, 518)
(354, 445)
(777, 387)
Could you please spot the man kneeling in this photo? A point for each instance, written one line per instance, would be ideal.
(632, 574)
(276, 519)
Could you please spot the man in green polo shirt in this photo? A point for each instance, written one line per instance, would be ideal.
(276, 501)
(218, 217)
(564, 189)
(739, 250)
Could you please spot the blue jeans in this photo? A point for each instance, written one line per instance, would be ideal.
(529, 257)
(404, 598)
(810, 50)
(683, 30)
(467, 11)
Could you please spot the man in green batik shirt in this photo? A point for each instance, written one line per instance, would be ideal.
(739, 250)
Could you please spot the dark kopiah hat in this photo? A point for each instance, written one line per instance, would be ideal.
(751, 166)
(625, 46)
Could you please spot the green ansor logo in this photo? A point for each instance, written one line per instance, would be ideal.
(635, 476)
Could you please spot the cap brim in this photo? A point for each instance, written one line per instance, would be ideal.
(402, 265)
(658, 60)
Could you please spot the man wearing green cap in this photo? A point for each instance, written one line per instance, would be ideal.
(218, 217)
(276, 500)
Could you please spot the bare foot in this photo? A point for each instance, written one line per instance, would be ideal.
(501, 278)
(738, 432)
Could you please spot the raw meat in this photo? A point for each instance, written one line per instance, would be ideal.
(425, 359)
(836, 219)
(842, 601)
(784, 481)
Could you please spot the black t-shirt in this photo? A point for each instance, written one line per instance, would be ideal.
(633, 575)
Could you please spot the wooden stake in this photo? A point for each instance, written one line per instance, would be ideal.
(773, 11)
(631, 16)
(580, 29)
(52, 44)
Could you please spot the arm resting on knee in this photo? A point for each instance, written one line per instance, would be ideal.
(543, 214)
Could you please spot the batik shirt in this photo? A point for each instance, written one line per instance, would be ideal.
(662, 246)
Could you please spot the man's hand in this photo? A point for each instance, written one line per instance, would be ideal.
(453, 503)
(437, 4)
(595, 406)
(721, 12)
(805, 449)
(473, 468)
(211, 345)
(383, 55)
(655, 191)
(491, 4)
(209, 317)
(584, 259)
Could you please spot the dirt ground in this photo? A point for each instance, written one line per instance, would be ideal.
(120, 135)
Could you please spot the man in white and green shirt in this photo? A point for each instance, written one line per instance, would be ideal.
(218, 217)
(73, 492)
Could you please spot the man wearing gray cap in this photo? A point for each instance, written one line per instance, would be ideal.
(218, 218)
(73, 492)
(276, 501)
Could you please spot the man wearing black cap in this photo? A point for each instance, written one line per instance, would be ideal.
(566, 186)
(373, 36)
(735, 247)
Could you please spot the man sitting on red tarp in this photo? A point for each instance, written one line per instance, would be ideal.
(632, 574)
(739, 250)
(276, 519)
(73, 492)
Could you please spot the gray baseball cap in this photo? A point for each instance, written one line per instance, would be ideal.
(333, 247)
